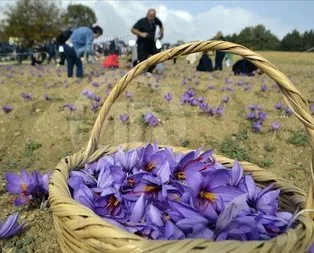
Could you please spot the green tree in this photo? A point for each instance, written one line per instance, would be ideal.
(79, 15)
(308, 40)
(292, 42)
(32, 20)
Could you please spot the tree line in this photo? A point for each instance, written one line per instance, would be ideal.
(259, 38)
(36, 21)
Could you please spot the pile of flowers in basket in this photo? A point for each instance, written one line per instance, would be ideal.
(158, 194)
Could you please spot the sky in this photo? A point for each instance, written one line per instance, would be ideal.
(200, 20)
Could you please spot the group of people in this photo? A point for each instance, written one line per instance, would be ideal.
(77, 43)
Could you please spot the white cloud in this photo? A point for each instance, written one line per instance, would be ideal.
(117, 18)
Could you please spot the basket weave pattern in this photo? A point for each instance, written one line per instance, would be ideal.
(80, 230)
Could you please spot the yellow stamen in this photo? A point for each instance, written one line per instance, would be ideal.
(24, 187)
(180, 175)
(150, 166)
(149, 188)
(211, 197)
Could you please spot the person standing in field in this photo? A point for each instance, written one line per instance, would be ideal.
(79, 45)
(219, 55)
(145, 30)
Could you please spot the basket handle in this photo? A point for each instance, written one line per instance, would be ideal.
(290, 93)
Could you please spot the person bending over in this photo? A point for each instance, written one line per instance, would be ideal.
(145, 30)
(79, 45)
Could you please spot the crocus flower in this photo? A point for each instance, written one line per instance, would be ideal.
(95, 107)
(10, 226)
(7, 108)
(262, 115)
(275, 126)
(211, 87)
(71, 107)
(26, 96)
(225, 99)
(257, 126)
(96, 84)
(151, 120)
(264, 88)
(288, 111)
(168, 97)
(252, 107)
(124, 118)
(251, 115)
(46, 97)
(210, 192)
(21, 185)
(128, 95)
(262, 200)
(278, 106)
(312, 108)
(88, 93)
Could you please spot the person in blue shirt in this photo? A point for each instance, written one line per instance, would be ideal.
(79, 45)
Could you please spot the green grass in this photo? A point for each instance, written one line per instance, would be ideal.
(265, 163)
(298, 138)
(30, 147)
(184, 142)
(233, 149)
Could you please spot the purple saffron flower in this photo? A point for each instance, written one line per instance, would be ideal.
(88, 93)
(96, 84)
(232, 223)
(7, 108)
(252, 107)
(211, 87)
(46, 97)
(251, 115)
(275, 126)
(95, 107)
(220, 110)
(262, 115)
(312, 108)
(194, 102)
(264, 88)
(26, 96)
(10, 226)
(85, 196)
(128, 95)
(184, 81)
(151, 120)
(257, 126)
(71, 107)
(262, 200)
(210, 193)
(225, 99)
(124, 118)
(22, 186)
(203, 106)
(278, 106)
(168, 97)
(288, 111)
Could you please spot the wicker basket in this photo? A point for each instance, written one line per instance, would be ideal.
(80, 230)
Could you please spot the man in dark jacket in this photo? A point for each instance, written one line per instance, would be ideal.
(145, 30)
(219, 55)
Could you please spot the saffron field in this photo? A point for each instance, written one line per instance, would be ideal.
(46, 116)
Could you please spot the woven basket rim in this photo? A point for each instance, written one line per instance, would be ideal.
(72, 232)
